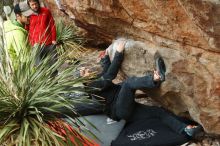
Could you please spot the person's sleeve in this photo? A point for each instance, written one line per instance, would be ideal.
(52, 26)
(20, 41)
(105, 63)
(9, 43)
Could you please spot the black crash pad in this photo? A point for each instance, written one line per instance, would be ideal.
(151, 132)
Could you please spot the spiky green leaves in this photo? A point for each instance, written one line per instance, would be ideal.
(30, 97)
(69, 39)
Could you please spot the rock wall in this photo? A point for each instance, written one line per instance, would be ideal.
(185, 32)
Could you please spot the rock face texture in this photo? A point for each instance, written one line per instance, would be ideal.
(185, 32)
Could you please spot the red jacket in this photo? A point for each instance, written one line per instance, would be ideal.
(42, 28)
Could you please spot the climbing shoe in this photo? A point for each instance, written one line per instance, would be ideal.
(193, 131)
(160, 66)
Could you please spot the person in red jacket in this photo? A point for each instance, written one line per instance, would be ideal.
(42, 30)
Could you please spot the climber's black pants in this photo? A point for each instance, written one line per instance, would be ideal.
(148, 112)
(120, 98)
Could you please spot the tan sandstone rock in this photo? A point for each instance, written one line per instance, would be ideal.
(185, 32)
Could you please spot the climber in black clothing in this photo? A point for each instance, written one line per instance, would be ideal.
(119, 98)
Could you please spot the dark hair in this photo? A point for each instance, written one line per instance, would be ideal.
(28, 1)
(17, 9)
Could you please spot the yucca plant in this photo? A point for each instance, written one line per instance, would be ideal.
(31, 100)
(69, 39)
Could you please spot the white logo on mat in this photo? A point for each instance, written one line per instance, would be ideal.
(141, 135)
